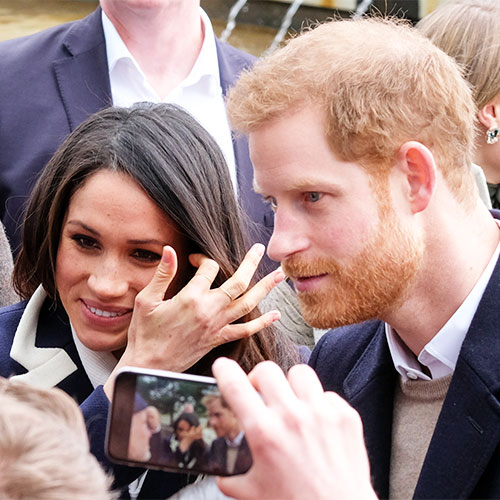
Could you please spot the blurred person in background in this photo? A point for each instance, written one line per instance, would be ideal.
(469, 31)
(44, 448)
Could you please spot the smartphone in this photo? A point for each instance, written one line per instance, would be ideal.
(175, 422)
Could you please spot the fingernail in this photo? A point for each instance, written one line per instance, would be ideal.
(259, 249)
(220, 362)
(279, 275)
(276, 316)
(165, 257)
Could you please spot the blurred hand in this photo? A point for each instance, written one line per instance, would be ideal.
(190, 436)
(306, 443)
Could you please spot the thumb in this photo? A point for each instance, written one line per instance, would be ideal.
(164, 274)
(234, 486)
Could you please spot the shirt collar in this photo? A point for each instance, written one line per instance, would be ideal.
(116, 49)
(440, 355)
(206, 65)
(97, 365)
(236, 442)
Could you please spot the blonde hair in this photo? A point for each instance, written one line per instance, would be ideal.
(44, 449)
(469, 31)
(380, 82)
(211, 398)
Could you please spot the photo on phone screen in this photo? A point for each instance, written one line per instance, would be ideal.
(174, 421)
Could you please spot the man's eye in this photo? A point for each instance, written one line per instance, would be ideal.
(314, 196)
(146, 255)
(84, 241)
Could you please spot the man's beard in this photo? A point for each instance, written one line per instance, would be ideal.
(369, 286)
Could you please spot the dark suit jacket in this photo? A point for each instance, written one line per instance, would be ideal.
(54, 332)
(217, 457)
(463, 459)
(52, 81)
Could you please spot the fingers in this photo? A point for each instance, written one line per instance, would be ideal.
(305, 383)
(239, 281)
(207, 269)
(235, 286)
(237, 390)
(251, 299)
(236, 331)
(165, 272)
(277, 394)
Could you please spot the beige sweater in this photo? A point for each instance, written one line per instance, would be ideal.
(417, 404)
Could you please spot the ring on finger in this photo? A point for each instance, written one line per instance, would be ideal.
(222, 289)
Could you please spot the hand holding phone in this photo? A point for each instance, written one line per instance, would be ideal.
(174, 422)
(306, 443)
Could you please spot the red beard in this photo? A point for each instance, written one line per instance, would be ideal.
(370, 285)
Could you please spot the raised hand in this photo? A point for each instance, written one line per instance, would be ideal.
(173, 334)
(305, 442)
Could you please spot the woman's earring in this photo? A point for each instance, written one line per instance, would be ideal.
(492, 135)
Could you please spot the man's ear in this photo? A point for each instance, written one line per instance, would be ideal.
(489, 114)
(419, 167)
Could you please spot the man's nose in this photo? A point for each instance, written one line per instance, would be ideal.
(288, 237)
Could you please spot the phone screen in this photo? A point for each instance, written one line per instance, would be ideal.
(175, 422)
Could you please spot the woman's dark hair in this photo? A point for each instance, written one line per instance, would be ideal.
(181, 168)
(190, 418)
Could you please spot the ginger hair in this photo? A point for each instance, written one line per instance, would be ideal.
(380, 83)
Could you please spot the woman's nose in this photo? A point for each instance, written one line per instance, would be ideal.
(108, 279)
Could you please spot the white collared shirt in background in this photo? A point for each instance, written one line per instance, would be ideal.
(200, 93)
(236, 442)
(440, 355)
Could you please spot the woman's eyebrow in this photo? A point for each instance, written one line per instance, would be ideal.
(83, 226)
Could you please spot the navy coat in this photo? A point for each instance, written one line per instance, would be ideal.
(463, 459)
(52, 81)
(51, 358)
(217, 456)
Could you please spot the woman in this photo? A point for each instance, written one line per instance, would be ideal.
(469, 31)
(188, 446)
(131, 245)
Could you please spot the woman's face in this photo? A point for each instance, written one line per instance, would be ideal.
(182, 429)
(111, 243)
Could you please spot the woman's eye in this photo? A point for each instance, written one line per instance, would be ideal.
(84, 241)
(146, 255)
(314, 196)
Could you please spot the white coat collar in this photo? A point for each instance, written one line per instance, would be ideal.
(47, 366)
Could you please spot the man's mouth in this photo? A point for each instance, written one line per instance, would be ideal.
(308, 283)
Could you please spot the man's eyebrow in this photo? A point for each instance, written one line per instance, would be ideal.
(307, 184)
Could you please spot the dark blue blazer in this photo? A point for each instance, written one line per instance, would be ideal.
(217, 457)
(52, 81)
(54, 331)
(463, 459)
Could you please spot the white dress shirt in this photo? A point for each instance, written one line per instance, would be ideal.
(200, 93)
(440, 355)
